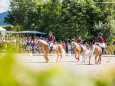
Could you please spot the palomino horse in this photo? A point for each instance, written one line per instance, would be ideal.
(80, 50)
(58, 49)
(87, 53)
(97, 50)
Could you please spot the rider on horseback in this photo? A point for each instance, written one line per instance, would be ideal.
(80, 42)
(51, 39)
(100, 41)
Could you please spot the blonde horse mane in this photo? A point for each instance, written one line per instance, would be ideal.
(42, 42)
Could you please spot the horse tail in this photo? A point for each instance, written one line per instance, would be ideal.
(63, 51)
(93, 49)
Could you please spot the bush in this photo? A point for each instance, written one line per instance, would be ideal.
(111, 48)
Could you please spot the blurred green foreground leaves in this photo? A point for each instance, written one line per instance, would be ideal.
(14, 73)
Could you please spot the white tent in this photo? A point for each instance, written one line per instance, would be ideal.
(2, 31)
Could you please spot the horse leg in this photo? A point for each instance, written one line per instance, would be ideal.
(99, 59)
(46, 53)
(57, 56)
(46, 57)
(75, 53)
(60, 56)
(78, 56)
(96, 60)
(90, 59)
(84, 57)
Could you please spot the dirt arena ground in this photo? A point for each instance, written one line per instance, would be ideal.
(37, 63)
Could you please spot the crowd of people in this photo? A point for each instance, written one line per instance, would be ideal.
(30, 43)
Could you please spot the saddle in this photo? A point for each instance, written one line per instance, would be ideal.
(51, 46)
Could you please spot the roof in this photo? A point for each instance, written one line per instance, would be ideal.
(25, 32)
(11, 32)
(2, 29)
(34, 32)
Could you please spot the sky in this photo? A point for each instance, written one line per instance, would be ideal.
(4, 4)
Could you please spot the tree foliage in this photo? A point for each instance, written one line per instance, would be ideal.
(65, 18)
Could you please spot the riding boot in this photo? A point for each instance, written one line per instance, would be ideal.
(81, 48)
(103, 50)
(51, 49)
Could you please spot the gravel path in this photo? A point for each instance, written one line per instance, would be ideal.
(37, 63)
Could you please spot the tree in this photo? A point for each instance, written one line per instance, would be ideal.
(20, 13)
(108, 29)
(65, 18)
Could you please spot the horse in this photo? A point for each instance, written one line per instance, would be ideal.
(58, 49)
(87, 53)
(80, 50)
(97, 50)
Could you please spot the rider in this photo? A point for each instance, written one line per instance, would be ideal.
(80, 42)
(51, 39)
(99, 40)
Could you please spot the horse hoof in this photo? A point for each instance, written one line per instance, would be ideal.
(47, 60)
(96, 63)
(77, 59)
(83, 62)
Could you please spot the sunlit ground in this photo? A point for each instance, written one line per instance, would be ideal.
(31, 70)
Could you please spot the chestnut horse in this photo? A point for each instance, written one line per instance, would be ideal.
(95, 49)
(58, 49)
(80, 50)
